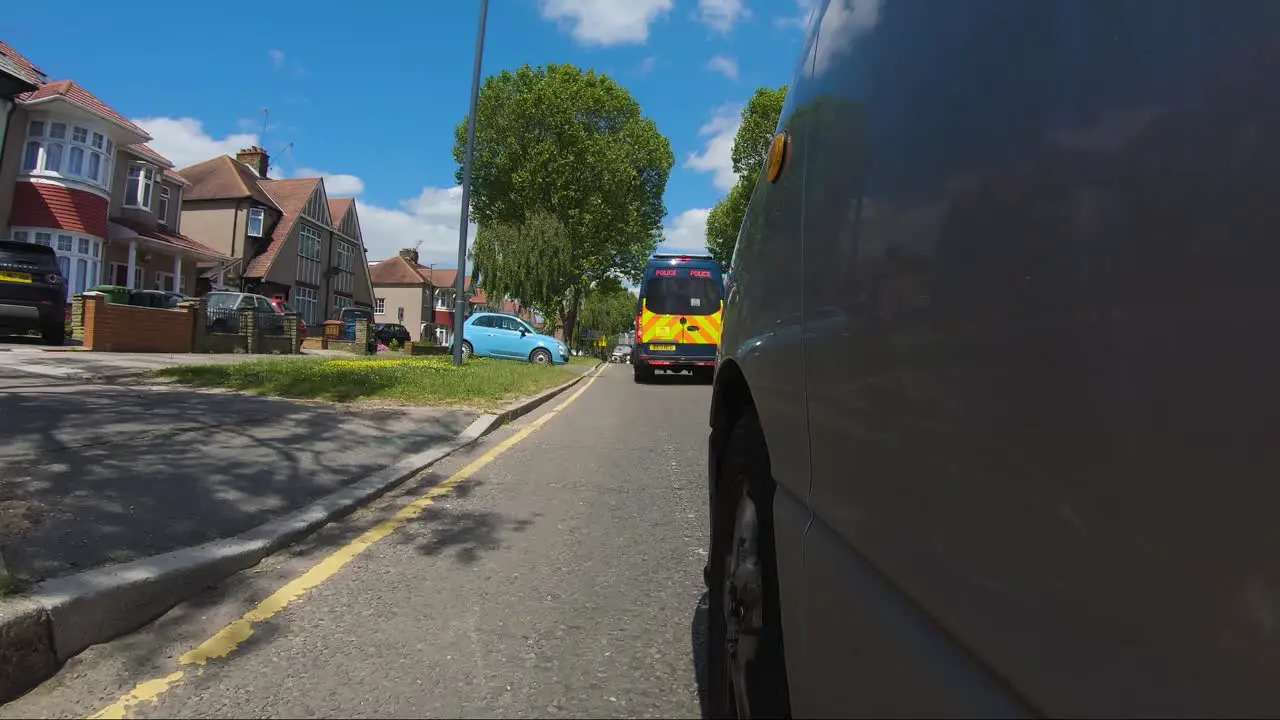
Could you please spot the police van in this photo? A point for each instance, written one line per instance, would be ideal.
(678, 316)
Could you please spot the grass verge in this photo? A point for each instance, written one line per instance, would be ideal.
(10, 585)
(480, 382)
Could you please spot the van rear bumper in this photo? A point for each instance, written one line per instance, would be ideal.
(674, 362)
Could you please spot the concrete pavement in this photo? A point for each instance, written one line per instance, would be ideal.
(97, 474)
(555, 571)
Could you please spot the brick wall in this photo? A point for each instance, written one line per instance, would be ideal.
(125, 328)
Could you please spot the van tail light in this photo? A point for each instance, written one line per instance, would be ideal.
(638, 327)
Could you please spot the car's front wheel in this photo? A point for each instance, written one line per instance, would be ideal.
(746, 672)
(467, 350)
(540, 357)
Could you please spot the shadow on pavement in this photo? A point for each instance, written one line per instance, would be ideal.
(93, 475)
(440, 529)
(698, 642)
(665, 378)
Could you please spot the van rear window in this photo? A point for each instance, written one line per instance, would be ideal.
(687, 295)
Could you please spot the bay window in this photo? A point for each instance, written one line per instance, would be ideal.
(68, 149)
(138, 186)
(79, 257)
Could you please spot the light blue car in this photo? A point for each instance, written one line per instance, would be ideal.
(498, 335)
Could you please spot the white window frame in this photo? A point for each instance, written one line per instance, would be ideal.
(79, 255)
(379, 306)
(161, 276)
(137, 274)
(307, 237)
(258, 215)
(144, 175)
(305, 300)
(162, 204)
(54, 142)
(341, 301)
(439, 301)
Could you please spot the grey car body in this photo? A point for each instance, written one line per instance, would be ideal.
(1006, 323)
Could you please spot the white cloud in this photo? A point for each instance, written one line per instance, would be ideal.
(277, 58)
(606, 22)
(335, 184)
(716, 155)
(647, 65)
(843, 21)
(687, 233)
(721, 15)
(724, 65)
(804, 9)
(431, 216)
(184, 141)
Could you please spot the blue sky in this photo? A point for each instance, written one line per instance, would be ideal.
(367, 95)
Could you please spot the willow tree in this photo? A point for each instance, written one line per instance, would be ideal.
(567, 185)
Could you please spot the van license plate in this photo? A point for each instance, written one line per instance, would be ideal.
(668, 348)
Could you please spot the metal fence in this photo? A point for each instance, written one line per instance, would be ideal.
(222, 320)
(229, 321)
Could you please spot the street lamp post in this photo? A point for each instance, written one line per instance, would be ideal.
(460, 298)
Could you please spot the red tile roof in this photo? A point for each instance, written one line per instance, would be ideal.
(224, 178)
(54, 206)
(71, 91)
(291, 197)
(26, 69)
(181, 241)
(396, 271)
(338, 209)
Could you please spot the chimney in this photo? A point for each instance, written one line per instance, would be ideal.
(256, 159)
(410, 254)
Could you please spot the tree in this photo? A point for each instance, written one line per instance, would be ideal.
(609, 308)
(750, 144)
(567, 186)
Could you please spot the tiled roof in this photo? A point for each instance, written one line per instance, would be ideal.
(224, 178)
(149, 154)
(181, 241)
(291, 197)
(71, 91)
(24, 68)
(338, 209)
(54, 206)
(395, 271)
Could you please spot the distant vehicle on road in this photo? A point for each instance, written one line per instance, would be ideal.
(994, 429)
(498, 335)
(620, 354)
(223, 308)
(33, 292)
(386, 333)
(678, 316)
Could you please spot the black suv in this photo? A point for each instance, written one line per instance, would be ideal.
(33, 293)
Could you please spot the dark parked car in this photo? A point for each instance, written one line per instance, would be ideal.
(33, 292)
(996, 426)
(385, 333)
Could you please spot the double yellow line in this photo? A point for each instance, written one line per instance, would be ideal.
(225, 641)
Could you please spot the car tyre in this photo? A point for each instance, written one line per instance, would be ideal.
(643, 373)
(540, 357)
(749, 680)
(53, 335)
(467, 350)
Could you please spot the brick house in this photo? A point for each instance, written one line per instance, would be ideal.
(77, 176)
(285, 238)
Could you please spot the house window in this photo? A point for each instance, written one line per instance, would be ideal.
(162, 205)
(345, 254)
(309, 242)
(255, 222)
(120, 275)
(444, 299)
(340, 302)
(137, 188)
(380, 306)
(304, 299)
(69, 150)
(79, 257)
(164, 281)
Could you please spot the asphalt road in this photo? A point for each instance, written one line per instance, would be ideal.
(558, 576)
